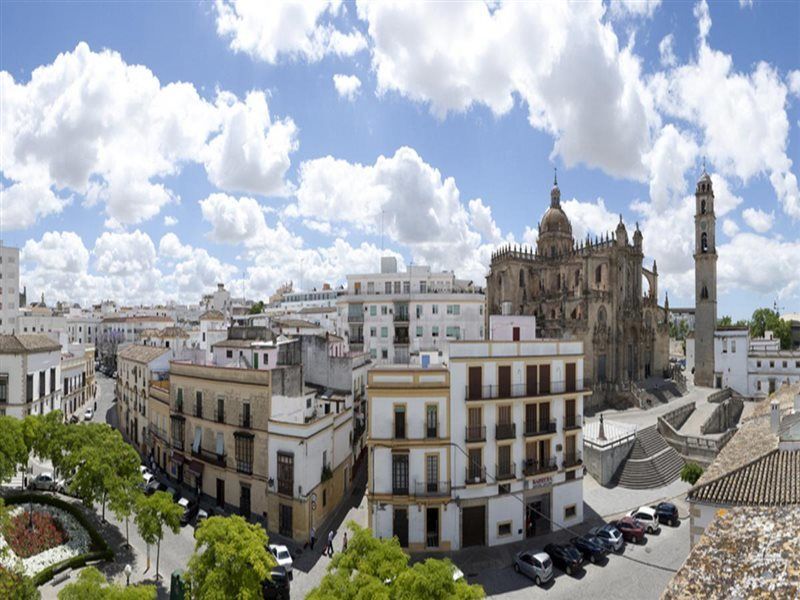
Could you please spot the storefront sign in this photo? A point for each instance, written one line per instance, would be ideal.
(540, 483)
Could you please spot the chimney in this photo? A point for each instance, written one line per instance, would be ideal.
(774, 416)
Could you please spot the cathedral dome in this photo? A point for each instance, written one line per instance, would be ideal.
(555, 220)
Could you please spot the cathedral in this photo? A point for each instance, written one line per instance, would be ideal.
(589, 290)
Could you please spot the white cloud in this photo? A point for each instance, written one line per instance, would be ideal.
(758, 220)
(58, 251)
(589, 218)
(793, 81)
(233, 220)
(170, 221)
(673, 152)
(22, 204)
(299, 30)
(703, 19)
(170, 248)
(124, 253)
(93, 124)
(191, 270)
(761, 264)
(251, 154)
(745, 3)
(666, 51)
(480, 216)
(724, 199)
(456, 55)
(633, 8)
(729, 227)
(347, 86)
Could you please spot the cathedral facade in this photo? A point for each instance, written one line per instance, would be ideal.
(591, 290)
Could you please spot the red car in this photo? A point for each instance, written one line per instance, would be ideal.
(631, 529)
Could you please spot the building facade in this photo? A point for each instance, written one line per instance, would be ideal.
(705, 281)
(394, 317)
(9, 288)
(753, 368)
(77, 373)
(30, 375)
(589, 290)
(483, 449)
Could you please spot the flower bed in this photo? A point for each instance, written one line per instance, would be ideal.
(47, 533)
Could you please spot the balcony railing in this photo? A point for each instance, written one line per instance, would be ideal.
(400, 317)
(572, 421)
(400, 490)
(210, 457)
(572, 459)
(506, 471)
(244, 467)
(177, 444)
(475, 474)
(158, 432)
(400, 339)
(220, 415)
(432, 488)
(431, 432)
(505, 431)
(356, 339)
(534, 467)
(286, 486)
(475, 433)
(541, 427)
(245, 420)
(359, 318)
(518, 390)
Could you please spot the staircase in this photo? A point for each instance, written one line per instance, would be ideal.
(651, 463)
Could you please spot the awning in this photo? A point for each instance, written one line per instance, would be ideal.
(195, 467)
(176, 458)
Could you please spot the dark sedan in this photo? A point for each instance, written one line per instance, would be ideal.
(667, 513)
(590, 547)
(565, 556)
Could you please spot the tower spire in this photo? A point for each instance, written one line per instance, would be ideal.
(555, 193)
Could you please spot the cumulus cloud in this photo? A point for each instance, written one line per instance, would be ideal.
(793, 81)
(347, 86)
(453, 56)
(124, 253)
(589, 218)
(299, 30)
(58, 251)
(93, 124)
(666, 52)
(758, 220)
(24, 203)
(729, 227)
(673, 152)
(170, 221)
(780, 274)
(633, 8)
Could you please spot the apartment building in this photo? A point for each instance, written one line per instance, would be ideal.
(30, 375)
(137, 367)
(43, 320)
(9, 288)
(482, 449)
(77, 373)
(324, 298)
(249, 434)
(83, 327)
(395, 317)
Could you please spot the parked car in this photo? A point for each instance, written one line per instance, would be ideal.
(648, 517)
(590, 547)
(536, 565)
(631, 529)
(190, 508)
(283, 556)
(667, 513)
(565, 556)
(173, 492)
(610, 536)
(202, 515)
(88, 414)
(277, 586)
(154, 485)
(46, 482)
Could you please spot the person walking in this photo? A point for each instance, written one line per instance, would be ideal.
(313, 537)
(330, 543)
(344, 542)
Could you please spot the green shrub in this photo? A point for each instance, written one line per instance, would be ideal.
(691, 472)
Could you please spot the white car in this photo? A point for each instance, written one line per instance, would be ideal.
(536, 565)
(283, 557)
(87, 416)
(647, 517)
(46, 481)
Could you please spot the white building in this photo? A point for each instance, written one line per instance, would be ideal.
(83, 327)
(482, 449)
(212, 330)
(753, 368)
(325, 298)
(30, 375)
(682, 315)
(219, 300)
(42, 320)
(395, 316)
(77, 373)
(9, 288)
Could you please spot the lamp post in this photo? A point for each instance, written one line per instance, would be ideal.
(128, 571)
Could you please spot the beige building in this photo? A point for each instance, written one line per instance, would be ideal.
(77, 372)
(589, 290)
(137, 367)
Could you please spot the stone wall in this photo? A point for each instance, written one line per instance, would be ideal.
(725, 416)
(676, 418)
(602, 462)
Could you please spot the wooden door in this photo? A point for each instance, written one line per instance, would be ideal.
(544, 379)
(473, 526)
(531, 377)
(570, 383)
(400, 526)
(504, 381)
(475, 383)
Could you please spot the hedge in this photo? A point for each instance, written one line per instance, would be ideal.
(100, 548)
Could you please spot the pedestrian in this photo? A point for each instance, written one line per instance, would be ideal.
(313, 537)
(330, 543)
(344, 542)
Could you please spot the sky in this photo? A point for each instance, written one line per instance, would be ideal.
(151, 150)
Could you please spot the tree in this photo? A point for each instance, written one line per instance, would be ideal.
(123, 497)
(13, 451)
(691, 472)
(230, 559)
(257, 308)
(17, 586)
(725, 321)
(765, 319)
(373, 568)
(92, 585)
(153, 513)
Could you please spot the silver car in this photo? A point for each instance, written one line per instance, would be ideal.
(610, 536)
(536, 565)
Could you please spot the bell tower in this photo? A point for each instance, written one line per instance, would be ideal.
(705, 281)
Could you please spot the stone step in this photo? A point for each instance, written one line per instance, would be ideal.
(652, 463)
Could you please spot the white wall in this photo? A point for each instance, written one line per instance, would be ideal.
(730, 359)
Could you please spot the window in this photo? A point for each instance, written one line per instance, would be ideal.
(406, 287)
(455, 309)
(570, 511)
(396, 287)
(419, 330)
(784, 364)
(3, 388)
(435, 309)
(220, 444)
(733, 346)
(373, 311)
(400, 421)
(198, 404)
(758, 385)
(453, 332)
(384, 310)
(724, 346)
(384, 353)
(702, 207)
(435, 331)
(418, 310)
(598, 274)
(221, 410)
(229, 354)
(400, 474)
(758, 363)
(704, 293)
(772, 364)
(370, 287)
(387, 287)
(431, 420)
(244, 453)
(504, 528)
(285, 473)
(704, 242)
(179, 400)
(198, 438)
(373, 331)
(373, 353)
(384, 332)
(41, 384)
(423, 287)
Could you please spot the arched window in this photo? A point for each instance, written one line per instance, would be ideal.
(702, 207)
(558, 281)
(704, 242)
(704, 293)
(598, 274)
(577, 277)
(601, 315)
(521, 278)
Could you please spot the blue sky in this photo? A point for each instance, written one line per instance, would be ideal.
(119, 181)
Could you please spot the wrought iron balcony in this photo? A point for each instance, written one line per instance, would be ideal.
(535, 467)
(245, 420)
(572, 459)
(210, 457)
(540, 427)
(573, 421)
(475, 474)
(220, 415)
(505, 431)
(520, 390)
(476, 433)
(432, 489)
(506, 471)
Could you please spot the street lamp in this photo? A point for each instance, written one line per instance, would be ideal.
(128, 571)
